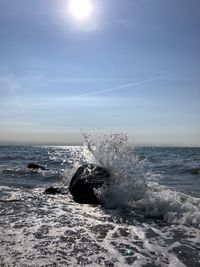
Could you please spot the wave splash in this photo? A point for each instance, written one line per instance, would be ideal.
(131, 186)
(113, 153)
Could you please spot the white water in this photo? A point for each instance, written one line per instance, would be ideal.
(151, 225)
(132, 187)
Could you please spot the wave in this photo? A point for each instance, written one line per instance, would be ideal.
(132, 185)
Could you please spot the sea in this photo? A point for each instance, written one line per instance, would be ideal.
(150, 212)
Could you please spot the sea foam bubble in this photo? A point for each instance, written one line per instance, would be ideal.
(132, 184)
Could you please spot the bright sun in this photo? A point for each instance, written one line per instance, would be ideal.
(80, 9)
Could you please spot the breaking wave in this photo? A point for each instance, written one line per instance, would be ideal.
(132, 185)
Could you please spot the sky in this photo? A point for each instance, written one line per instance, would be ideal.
(131, 66)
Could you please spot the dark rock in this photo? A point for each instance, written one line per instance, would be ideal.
(195, 171)
(86, 179)
(34, 166)
(53, 191)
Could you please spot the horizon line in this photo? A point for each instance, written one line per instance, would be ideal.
(14, 143)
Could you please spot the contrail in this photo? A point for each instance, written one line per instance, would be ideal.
(119, 87)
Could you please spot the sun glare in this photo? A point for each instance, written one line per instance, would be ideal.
(80, 9)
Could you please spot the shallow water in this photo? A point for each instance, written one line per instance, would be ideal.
(42, 230)
(157, 227)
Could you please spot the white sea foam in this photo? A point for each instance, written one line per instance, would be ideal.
(52, 230)
(131, 186)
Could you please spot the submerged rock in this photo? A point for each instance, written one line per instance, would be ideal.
(84, 182)
(195, 171)
(53, 191)
(34, 166)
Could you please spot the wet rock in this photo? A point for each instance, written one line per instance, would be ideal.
(195, 171)
(34, 166)
(53, 191)
(84, 182)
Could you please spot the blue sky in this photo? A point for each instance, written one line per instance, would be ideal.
(133, 66)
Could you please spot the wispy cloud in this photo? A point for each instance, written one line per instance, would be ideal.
(27, 81)
(8, 83)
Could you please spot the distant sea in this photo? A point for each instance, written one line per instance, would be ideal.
(151, 215)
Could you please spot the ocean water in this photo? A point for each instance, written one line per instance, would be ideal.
(150, 214)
